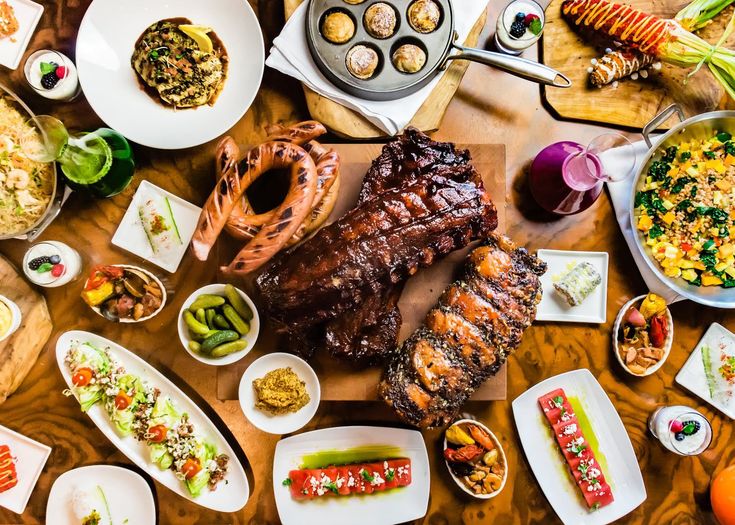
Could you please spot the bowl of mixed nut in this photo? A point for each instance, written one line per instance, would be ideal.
(475, 459)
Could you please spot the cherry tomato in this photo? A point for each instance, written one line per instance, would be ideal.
(82, 377)
(157, 433)
(122, 400)
(191, 468)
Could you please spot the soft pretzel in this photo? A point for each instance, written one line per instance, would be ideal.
(231, 187)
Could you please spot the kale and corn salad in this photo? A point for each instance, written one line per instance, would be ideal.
(684, 211)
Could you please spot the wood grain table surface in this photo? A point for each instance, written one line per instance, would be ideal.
(490, 107)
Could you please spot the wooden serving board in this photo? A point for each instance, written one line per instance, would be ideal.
(340, 381)
(18, 353)
(634, 102)
(347, 123)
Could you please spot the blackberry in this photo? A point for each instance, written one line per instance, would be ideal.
(54, 259)
(36, 263)
(520, 17)
(517, 29)
(49, 80)
(679, 436)
(691, 427)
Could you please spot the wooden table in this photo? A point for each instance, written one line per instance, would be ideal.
(490, 107)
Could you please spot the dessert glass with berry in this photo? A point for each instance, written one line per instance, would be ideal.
(519, 26)
(51, 264)
(681, 429)
(52, 75)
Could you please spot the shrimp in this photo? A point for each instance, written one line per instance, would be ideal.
(481, 437)
(17, 179)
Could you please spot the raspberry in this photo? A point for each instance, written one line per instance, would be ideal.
(530, 17)
(676, 426)
(57, 270)
(61, 72)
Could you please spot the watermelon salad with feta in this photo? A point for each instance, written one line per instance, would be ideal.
(579, 455)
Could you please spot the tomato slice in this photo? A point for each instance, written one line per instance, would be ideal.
(191, 468)
(82, 377)
(157, 433)
(122, 400)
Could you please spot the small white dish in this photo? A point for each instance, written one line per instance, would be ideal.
(286, 423)
(30, 457)
(98, 311)
(542, 451)
(616, 344)
(461, 484)
(16, 318)
(250, 337)
(393, 506)
(692, 375)
(12, 48)
(231, 495)
(553, 307)
(105, 42)
(131, 236)
(120, 486)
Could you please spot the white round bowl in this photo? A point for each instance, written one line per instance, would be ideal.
(16, 314)
(460, 483)
(286, 423)
(667, 344)
(97, 310)
(250, 337)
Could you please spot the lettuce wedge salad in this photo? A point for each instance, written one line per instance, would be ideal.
(139, 410)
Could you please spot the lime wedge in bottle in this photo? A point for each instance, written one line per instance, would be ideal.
(199, 35)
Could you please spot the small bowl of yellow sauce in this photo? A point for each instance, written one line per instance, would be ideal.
(10, 317)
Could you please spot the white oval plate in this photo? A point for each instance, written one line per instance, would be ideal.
(230, 496)
(121, 487)
(385, 508)
(105, 43)
(251, 337)
(667, 344)
(287, 423)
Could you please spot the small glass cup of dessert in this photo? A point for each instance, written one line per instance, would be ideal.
(519, 26)
(681, 430)
(10, 317)
(51, 264)
(52, 75)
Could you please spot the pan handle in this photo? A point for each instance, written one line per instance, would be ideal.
(659, 119)
(517, 66)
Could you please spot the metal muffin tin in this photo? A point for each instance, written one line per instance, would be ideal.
(388, 82)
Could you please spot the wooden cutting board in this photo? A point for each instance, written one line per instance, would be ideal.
(340, 381)
(347, 123)
(634, 102)
(18, 353)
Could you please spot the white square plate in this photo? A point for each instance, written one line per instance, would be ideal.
(547, 462)
(692, 376)
(554, 307)
(131, 236)
(28, 14)
(30, 457)
(393, 506)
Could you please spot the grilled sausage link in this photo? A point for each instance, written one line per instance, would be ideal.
(231, 187)
(244, 226)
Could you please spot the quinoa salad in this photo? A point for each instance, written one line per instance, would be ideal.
(683, 209)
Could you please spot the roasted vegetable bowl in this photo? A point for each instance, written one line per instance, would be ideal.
(475, 459)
